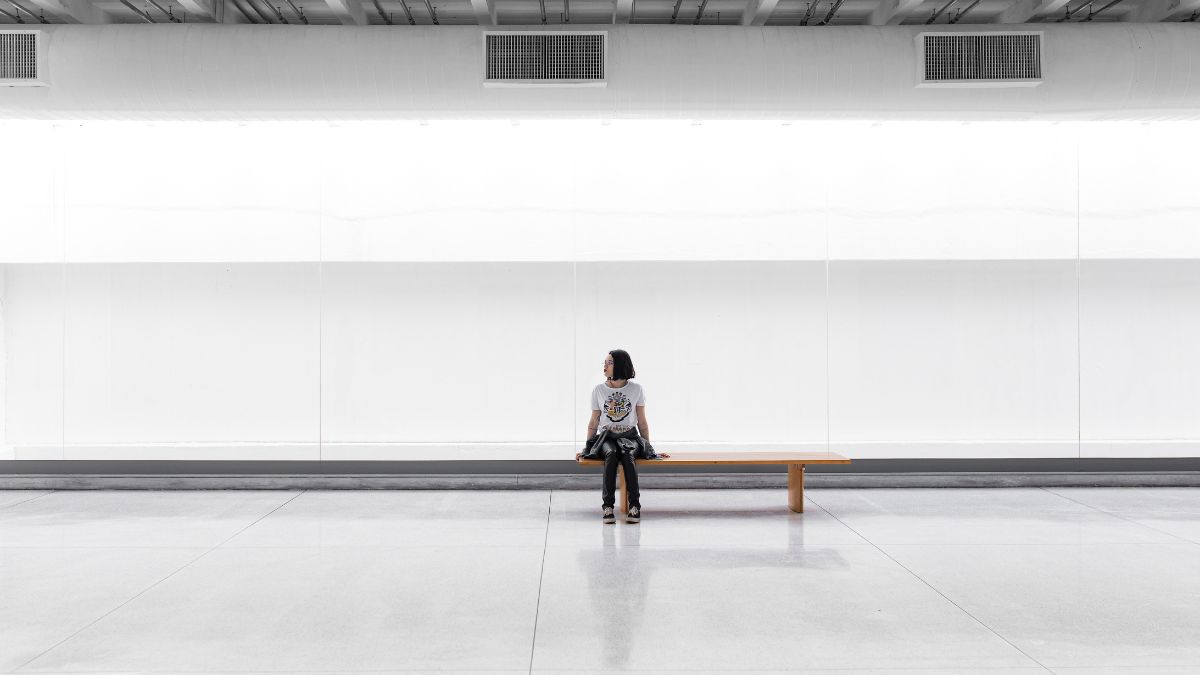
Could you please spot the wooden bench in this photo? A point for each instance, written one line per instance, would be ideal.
(795, 462)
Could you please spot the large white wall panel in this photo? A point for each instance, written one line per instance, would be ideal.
(542, 190)
(192, 361)
(190, 193)
(31, 361)
(930, 191)
(1139, 191)
(30, 177)
(447, 361)
(953, 359)
(1139, 361)
(732, 355)
(672, 190)
(448, 191)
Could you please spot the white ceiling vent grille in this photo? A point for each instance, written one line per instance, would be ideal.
(575, 58)
(18, 57)
(981, 58)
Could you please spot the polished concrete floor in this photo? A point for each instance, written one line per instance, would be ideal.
(1013, 580)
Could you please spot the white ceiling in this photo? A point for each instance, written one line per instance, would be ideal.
(591, 12)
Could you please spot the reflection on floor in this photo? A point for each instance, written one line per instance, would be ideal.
(1078, 580)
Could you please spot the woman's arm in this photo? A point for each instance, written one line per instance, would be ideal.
(591, 431)
(642, 425)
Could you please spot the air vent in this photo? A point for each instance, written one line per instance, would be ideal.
(982, 58)
(544, 58)
(19, 57)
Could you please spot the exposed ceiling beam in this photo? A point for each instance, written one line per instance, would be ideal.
(73, 11)
(167, 12)
(938, 12)
(892, 12)
(1093, 12)
(203, 8)
(758, 11)
(229, 11)
(143, 15)
(349, 12)
(257, 11)
(833, 10)
(1022, 11)
(485, 12)
(407, 13)
(383, 16)
(622, 11)
(963, 12)
(1154, 11)
(299, 12)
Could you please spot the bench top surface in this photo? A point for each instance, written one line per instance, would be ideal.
(685, 458)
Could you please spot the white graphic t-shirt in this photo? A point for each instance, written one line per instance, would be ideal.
(616, 406)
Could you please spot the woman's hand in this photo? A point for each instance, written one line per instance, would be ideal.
(663, 455)
(578, 456)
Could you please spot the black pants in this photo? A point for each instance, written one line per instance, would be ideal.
(614, 454)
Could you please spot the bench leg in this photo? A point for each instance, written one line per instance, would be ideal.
(623, 499)
(796, 487)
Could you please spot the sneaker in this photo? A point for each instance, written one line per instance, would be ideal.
(634, 515)
(609, 517)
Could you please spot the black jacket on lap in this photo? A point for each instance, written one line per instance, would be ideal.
(640, 447)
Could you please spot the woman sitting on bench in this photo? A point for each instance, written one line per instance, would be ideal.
(616, 439)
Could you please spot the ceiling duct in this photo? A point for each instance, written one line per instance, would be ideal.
(544, 58)
(981, 58)
(19, 57)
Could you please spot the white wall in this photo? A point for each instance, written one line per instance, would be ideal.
(372, 291)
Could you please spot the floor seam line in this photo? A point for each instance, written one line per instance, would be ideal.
(541, 575)
(145, 590)
(26, 501)
(1120, 517)
(935, 590)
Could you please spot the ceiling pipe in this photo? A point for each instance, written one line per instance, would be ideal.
(15, 18)
(832, 11)
(675, 12)
(960, 14)
(248, 14)
(299, 11)
(254, 6)
(541, 8)
(567, 10)
(278, 14)
(170, 15)
(812, 6)
(939, 12)
(1070, 14)
(700, 12)
(379, 9)
(1091, 14)
(433, 14)
(145, 17)
(408, 13)
(40, 19)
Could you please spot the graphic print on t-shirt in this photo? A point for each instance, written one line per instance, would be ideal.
(617, 406)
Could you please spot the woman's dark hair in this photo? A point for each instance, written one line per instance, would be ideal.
(622, 365)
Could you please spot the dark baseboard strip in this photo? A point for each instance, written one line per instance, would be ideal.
(510, 468)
